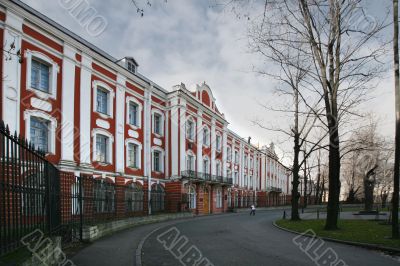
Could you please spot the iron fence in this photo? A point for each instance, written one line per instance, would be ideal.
(29, 191)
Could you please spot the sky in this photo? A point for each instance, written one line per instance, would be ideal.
(193, 41)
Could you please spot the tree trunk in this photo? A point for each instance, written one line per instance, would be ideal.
(305, 181)
(295, 184)
(395, 199)
(334, 177)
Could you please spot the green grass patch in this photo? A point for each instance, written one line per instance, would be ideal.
(371, 232)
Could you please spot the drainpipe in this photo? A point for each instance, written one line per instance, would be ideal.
(147, 141)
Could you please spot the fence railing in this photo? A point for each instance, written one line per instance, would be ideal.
(199, 176)
(29, 191)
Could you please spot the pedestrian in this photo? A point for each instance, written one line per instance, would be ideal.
(253, 210)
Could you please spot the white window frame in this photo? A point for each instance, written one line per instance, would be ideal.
(206, 158)
(192, 191)
(140, 109)
(218, 145)
(139, 159)
(218, 162)
(54, 70)
(236, 153)
(159, 149)
(110, 145)
(110, 100)
(153, 112)
(190, 118)
(208, 136)
(190, 153)
(228, 153)
(51, 130)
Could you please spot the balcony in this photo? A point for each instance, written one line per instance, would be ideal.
(203, 177)
(274, 189)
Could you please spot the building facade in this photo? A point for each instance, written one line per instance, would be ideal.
(95, 115)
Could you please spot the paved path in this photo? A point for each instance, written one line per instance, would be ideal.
(231, 239)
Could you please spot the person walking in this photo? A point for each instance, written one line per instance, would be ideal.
(253, 210)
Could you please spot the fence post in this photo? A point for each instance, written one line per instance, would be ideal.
(79, 178)
(47, 196)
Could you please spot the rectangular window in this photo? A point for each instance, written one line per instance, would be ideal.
(236, 157)
(101, 148)
(190, 130)
(205, 136)
(40, 133)
(245, 161)
(236, 178)
(218, 169)
(157, 124)
(133, 155)
(102, 101)
(189, 163)
(40, 76)
(218, 142)
(156, 161)
(205, 166)
(133, 114)
(229, 154)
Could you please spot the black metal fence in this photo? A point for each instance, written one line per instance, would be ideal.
(34, 194)
(29, 191)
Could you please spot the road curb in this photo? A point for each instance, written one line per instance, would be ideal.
(351, 243)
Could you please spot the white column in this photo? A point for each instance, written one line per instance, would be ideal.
(241, 167)
(182, 136)
(174, 137)
(85, 110)
(167, 133)
(213, 147)
(147, 132)
(263, 172)
(119, 124)
(233, 162)
(12, 72)
(199, 156)
(67, 105)
(224, 150)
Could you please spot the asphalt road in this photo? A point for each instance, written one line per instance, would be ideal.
(231, 239)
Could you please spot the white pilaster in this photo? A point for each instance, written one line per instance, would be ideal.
(199, 134)
(241, 167)
(85, 109)
(213, 147)
(119, 124)
(147, 132)
(68, 105)
(224, 150)
(174, 137)
(12, 72)
(182, 135)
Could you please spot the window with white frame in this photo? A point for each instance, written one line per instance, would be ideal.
(245, 160)
(219, 198)
(251, 181)
(236, 157)
(133, 155)
(133, 113)
(218, 142)
(157, 160)
(190, 129)
(40, 78)
(229, 173)
(40, 129)
(206, 165)
(236, 179)
(102, 146)
(245, 180)
(102, 143)
(158, 123)
(190, 161)
(229, 154)
(42, 74)
(103, 99)
(206, 136)
(218, 168)
(40, 133)
(251, 162)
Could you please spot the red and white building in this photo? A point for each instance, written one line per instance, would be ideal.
(96, 115)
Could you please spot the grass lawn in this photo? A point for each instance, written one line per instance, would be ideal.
(371, 232)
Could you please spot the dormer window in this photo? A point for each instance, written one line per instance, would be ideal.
(131, 67)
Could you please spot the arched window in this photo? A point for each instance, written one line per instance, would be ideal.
(190, 128)
(219, 198)
(206, 136)
(157, 198)
(229, 198)
(206, 165)
(104, 196)
(190, 161)
(134, 198)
